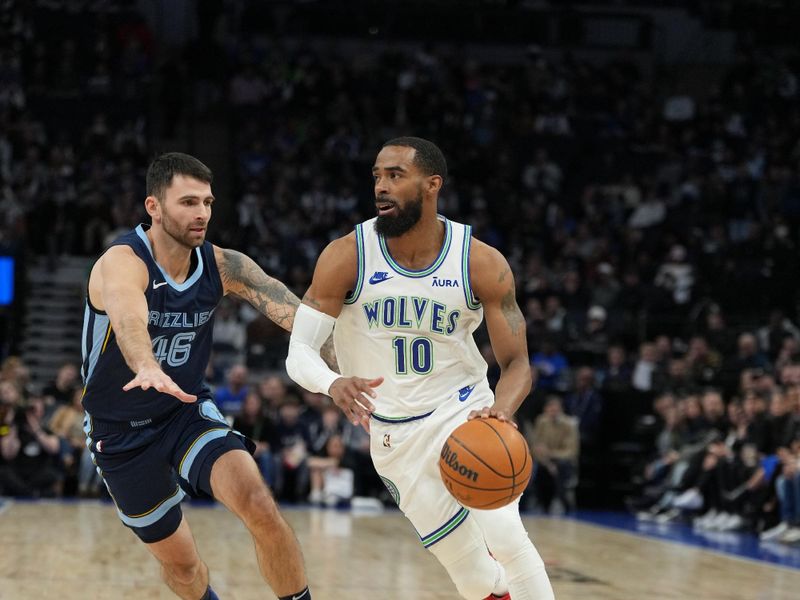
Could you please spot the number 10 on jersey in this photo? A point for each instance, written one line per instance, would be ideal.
(416, 353)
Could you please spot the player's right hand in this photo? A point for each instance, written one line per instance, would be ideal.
(352, 395)
(154, 377)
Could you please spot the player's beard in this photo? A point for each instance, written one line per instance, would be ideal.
(407, 216)
(182, 236)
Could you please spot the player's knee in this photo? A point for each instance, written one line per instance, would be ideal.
(474, 575)
(182, 572)
(473, 571)
(507, 546)
(258, 508)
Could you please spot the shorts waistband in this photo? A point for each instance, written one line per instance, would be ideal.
(106, 426)
(396, 420)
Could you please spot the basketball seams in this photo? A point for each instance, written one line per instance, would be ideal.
(479, 459)
(502, 494)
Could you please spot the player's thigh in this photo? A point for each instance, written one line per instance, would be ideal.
(205, 436)
(238, 484)
(142, 484)
(177, 551)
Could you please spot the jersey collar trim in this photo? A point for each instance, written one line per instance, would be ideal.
(180, 287)
(448, 236)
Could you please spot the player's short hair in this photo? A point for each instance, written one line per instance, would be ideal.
(165, 167)
(427, 158)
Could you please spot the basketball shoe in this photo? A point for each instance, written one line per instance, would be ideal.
(493, 597)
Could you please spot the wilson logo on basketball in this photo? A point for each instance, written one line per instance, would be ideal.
(450, 458)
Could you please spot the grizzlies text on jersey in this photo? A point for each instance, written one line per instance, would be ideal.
(180, 323)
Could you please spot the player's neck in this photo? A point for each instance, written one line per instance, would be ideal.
(173, 257)
(419, 247)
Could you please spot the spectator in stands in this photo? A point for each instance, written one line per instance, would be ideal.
(330, 426)
(646, 369)
(555, 444)
(59, 392)
(704, 362)
(615, 375)
(787, 486)
(253, 423)
(31, 452)
(230, 397)
(586, 405)
(291, 447)
(67, 424)
(551, 366)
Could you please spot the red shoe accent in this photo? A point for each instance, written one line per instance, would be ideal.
(493, 597)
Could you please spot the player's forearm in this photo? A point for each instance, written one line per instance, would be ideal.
(514, 385)
(246, 280)
(135, 344)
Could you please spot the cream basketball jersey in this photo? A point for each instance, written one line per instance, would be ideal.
(414, 328)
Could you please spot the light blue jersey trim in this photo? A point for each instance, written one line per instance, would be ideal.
(448, 235)
(180, 287)
(197, 446)
(99, 333)
(361, 265)
(156, 513)
(472, 302)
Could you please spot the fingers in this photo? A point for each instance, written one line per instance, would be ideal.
(352, 395)
(490, 413)
(163, 384)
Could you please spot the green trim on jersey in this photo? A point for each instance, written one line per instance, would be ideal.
(472, 301)
(448, 236)
(361, 262)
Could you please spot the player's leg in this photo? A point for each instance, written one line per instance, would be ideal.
(463, 554)
(407, 465)
(214, 460)
(237, 483)
(153, 511)
(181, 567)
(509, 543)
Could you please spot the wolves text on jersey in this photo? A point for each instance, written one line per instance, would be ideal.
(411, 311)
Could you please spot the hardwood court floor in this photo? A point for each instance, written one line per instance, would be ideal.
(80, 551)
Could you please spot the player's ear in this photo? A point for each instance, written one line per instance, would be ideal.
(153, 208)
(434, 183)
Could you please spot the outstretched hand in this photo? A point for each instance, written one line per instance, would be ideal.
(490, 412)
(352, 395)
(154, 377)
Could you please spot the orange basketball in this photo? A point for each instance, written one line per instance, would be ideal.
(485, 463)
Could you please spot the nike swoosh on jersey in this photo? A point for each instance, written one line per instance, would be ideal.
(158, 285)
(464, 392)
(379, 276)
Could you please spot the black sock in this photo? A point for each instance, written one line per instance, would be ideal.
(303, 594)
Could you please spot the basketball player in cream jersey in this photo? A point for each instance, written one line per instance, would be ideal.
(403, 295)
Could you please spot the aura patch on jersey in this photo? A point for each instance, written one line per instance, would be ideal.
(410, 312)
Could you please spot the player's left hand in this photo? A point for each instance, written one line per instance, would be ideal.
(491, 412)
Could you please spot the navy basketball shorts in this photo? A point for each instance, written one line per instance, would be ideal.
(149, 469)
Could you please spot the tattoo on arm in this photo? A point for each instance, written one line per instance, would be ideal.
(329, 355)
(512, 313)
(502, 277)
(311, 301)
(246, 280)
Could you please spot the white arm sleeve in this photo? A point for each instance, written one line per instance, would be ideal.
(304, 364)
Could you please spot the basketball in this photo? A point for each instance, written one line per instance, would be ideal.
(485, 463)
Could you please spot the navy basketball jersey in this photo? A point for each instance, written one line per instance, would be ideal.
(180, 323)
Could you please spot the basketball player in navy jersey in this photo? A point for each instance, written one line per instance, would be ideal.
(403, 295)
(151, 425)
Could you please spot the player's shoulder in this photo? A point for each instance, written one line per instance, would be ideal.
(119, 255)
(483, 257)
(341, 249)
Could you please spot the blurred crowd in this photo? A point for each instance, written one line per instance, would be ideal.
(653, 232)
